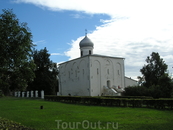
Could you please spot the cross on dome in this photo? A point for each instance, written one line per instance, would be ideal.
(85, 32)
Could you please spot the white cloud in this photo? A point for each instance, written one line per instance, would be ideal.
(39, 42)
(136, 29)
(56, 54)
(77, 16)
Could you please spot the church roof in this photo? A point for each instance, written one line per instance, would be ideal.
(93, 55)
(85, 42)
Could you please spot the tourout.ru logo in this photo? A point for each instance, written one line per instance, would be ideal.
(85, 124)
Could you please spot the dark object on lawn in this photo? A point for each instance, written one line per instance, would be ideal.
(41, 107)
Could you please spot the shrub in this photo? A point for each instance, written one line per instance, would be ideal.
(155, 91)
(1, 93)
(6, 124)
(129, 101)
(136, 91)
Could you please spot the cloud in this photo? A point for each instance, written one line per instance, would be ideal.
(130, 39)
(110, 7)
(136, 29)
(39, 42)
(56, 54)
(77, 16)
(87, 6)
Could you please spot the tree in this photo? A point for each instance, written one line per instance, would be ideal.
(156, 78)
(46, 73)
(16, 64)
(154, 69)
(141, 80)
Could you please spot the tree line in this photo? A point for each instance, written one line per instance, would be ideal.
(22, 67)
(155, 80)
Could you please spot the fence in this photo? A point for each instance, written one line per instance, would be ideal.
(29, 94)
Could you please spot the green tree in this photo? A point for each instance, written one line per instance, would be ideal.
(136, 91)
(16, 65)
(141, 80)
(154, 69)
(156, 78)
(46, 73)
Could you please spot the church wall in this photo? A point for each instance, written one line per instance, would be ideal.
(130, 82)
(105, 71)
(88, 75)
(74, 77)
(95, 77)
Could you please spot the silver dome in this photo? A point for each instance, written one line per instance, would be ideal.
(86, 42)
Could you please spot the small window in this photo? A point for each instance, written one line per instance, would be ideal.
(108, 71)
(97, 71)
(81, 53)
(118, 72)
(76, 73)
(83, 72)
(89, 52)
(69, 74)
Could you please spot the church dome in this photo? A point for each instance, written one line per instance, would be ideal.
(86, 42)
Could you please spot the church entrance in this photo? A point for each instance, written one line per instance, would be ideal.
(109, 84)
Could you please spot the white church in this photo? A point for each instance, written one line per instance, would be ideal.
(93, 75)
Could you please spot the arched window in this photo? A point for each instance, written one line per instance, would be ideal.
(89, 52)
(118, 72)
(97, 71)
(69, 74)
(76, 73)
(83, 72)
(107, 71)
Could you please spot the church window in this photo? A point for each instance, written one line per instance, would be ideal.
(118, 72)
(89, 52)
(69, 74)
(81, 53)
(76, 73)
(97, 71)
(108, 71)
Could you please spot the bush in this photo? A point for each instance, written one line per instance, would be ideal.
(129, 101)
(155, 91)
(129, 97)
(136, 91)
(1, 93)
(6, 124)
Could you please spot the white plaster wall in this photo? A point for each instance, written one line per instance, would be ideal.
(95, 77)
(87, 76)
(105, 69)
(74, 77)
(85, 50)
(130, 82)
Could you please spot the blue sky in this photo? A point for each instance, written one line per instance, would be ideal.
(53, 29)
(129, 29)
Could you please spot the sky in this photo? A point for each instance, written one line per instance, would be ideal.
(131, 29)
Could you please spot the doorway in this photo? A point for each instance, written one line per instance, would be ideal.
(108, 84)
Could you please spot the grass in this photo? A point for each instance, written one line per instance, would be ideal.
(28, 113)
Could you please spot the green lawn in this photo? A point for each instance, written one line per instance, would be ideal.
(57, 115)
